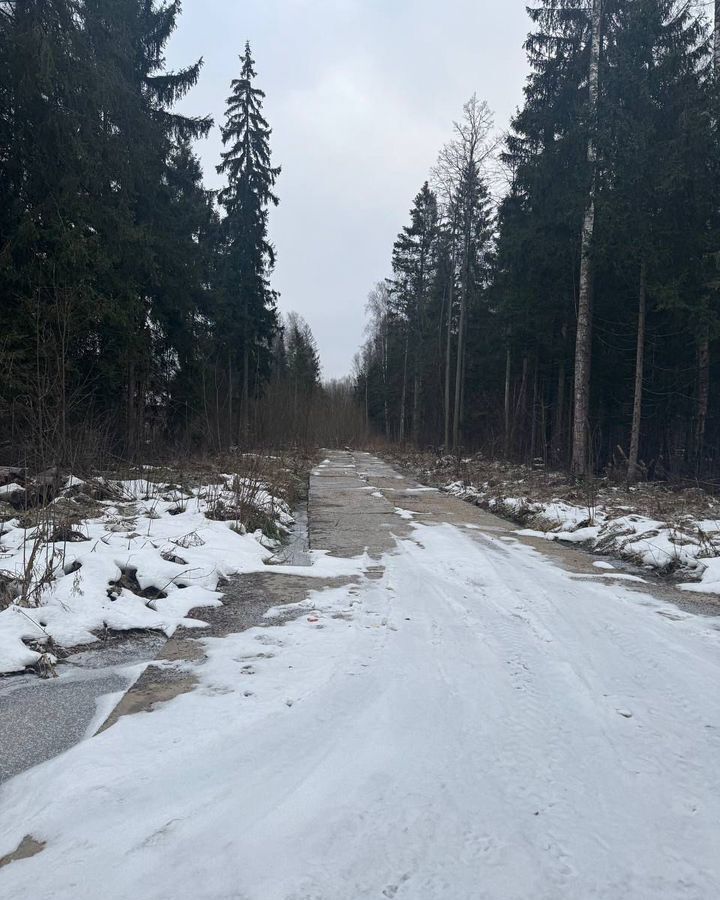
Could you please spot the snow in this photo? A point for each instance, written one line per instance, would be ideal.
(161, 534)
(617, 576)
(690, 544)
(710, 578)
(476, 724)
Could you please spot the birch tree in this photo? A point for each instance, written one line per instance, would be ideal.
(583, 338)
(461, 165)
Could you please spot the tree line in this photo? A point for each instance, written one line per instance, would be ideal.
(136, 305)
(554, 295)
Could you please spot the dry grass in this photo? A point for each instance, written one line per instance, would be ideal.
(663, 501)
(237, 487)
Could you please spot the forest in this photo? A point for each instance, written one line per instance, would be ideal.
(554, 295)
(136, 306)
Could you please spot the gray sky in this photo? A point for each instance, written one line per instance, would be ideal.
(361, 95)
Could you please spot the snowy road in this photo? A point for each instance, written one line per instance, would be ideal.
(463, 719)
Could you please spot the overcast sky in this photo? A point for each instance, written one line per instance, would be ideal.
(361, 95)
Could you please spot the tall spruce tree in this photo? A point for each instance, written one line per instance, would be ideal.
(414, 264)
(652, 211)
(137, 130)
(46, 240)
(186, 298)
(541, 219)
(552, 154)
(250, 318)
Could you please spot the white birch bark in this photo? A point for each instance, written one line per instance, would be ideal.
(583, 341)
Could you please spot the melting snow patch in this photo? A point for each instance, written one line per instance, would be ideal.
(144, 563)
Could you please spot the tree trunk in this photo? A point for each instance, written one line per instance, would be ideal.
(385, 381)
(131, 412)
(246, 392)
(439, 384)
(533, 415)
(703, 394)
(403, 397)
(448, 353)
(459, 374)
(544, 423)
(460, 362)
(417, 394)
(583, 340)
(639, 373)
(557, 451)
(508, 371)
(418, 354)
(367, 408)
(520, 405)
(230, 430)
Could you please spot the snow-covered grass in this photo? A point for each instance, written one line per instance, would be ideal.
(686, 544)
(141, 559)
(669, 529)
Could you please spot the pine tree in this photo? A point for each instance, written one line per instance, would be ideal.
(248, 256)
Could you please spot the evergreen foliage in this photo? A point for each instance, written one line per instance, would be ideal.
(644, 151)
(123, 291)
(249, 315)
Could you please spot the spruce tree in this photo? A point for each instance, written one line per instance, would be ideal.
(136, 132)
(414, 264)
(186, 299)
(303, 359)
(565, 53)
(655, 201)
(548, 218)
(46, 238)
(250, 318)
